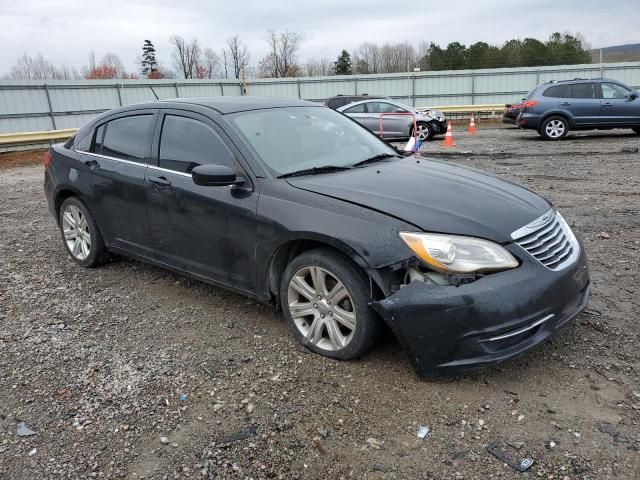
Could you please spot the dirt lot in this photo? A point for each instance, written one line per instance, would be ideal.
(128, 371)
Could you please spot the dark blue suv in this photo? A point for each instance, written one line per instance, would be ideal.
(556, 107)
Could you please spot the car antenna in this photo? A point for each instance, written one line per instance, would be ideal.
(154, 92)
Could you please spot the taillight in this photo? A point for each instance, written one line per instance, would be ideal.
(530, 103)
(47, 159)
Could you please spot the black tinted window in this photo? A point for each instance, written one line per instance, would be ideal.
(338, 102)
(186, 143)
(555, 91)
(581, 90)
(127, 138)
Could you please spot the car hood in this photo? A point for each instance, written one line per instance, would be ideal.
(434, 196)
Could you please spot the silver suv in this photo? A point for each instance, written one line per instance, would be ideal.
(556, 107)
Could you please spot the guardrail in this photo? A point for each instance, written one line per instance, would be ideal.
(478, 108)
(35, 138)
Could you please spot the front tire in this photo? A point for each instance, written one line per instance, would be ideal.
(554, 128)
(80, 234)
(325, 300)
(425, 132)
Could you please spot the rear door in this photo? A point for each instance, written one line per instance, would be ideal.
(582, 102)
(617, 108)
(209, 231)
(117, 158)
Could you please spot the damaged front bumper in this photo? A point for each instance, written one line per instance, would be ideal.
(447, 329)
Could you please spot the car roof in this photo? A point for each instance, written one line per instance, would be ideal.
(224, 105)
(371, 100)
(579, 80)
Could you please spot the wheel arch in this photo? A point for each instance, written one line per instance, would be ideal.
(293, 247)
(560, 113)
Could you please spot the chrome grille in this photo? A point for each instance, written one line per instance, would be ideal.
(549, 239)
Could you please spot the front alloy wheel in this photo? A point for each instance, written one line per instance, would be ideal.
(325, 299)
(424, 132)
(321, 308)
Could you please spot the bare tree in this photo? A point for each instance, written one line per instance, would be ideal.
(210, 62)
(281, 61)
(390, 57)
(37, 68)
(321, 67)
(238, 54)
(186, 56)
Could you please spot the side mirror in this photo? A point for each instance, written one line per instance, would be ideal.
(400, 110)
(213, 175)
(633, 95)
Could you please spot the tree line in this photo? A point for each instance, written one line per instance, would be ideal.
(189, 59)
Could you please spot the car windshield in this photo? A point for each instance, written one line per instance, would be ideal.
(290, 139)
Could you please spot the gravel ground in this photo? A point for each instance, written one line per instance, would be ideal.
(128, 371)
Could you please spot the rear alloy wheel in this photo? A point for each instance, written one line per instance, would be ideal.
(80, 233)
(325, 300)
(425, 132)
(554, 128)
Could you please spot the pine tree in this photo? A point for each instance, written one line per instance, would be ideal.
(148, 62)
(343, 64)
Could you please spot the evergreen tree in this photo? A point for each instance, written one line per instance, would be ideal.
(148, 61)
(343, 64)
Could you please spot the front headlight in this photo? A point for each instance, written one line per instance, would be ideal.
(457, 254)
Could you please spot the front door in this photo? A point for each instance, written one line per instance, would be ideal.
(392, 125)
(208, 231)
(618, 107)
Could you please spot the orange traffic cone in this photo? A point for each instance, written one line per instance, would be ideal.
(448, 138)
(472, 126)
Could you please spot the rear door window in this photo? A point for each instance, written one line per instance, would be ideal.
(581, 90)
(126, 138)
(554, 92)
(186, 143)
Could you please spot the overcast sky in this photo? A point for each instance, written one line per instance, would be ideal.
(64, 31)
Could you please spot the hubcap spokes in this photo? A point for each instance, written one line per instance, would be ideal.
(321, 308)
(555, 128)
(423, 134)
(76, 232)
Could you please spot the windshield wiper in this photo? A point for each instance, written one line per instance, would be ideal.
(375, 158)
(315, 170)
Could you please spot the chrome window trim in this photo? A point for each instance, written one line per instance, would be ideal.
(170, 171)
(99, 155)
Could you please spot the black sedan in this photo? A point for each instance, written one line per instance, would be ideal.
(295, 204)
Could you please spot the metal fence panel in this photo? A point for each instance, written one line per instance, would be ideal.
(37, 105)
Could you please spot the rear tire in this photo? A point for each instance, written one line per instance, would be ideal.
(554, 128)
(425, 132)
(80, 234)
(325, 301)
